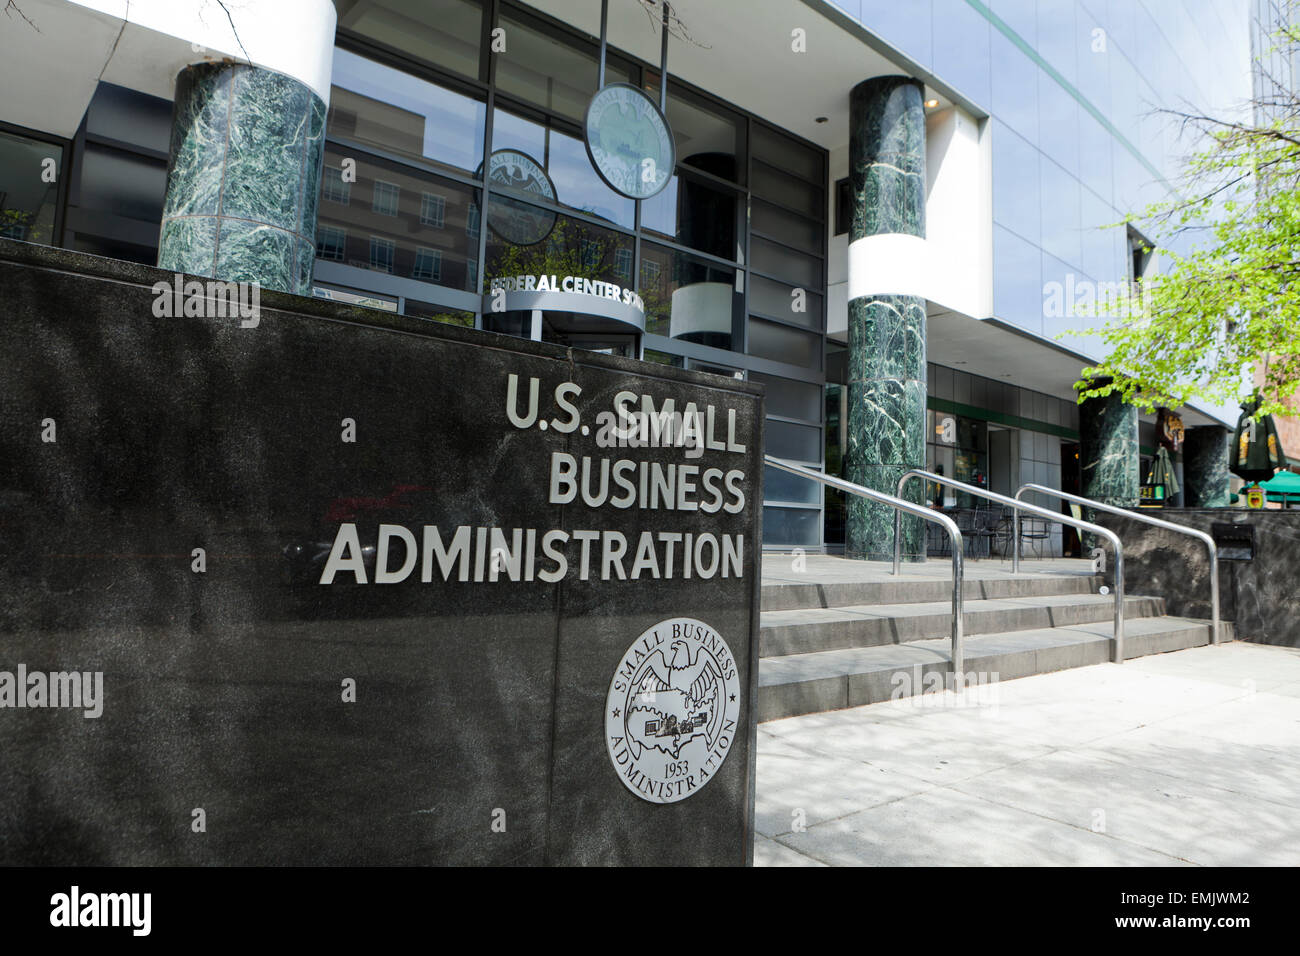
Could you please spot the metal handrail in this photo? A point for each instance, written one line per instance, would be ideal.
(899, 505)
(1136, 516)
(1117, 641)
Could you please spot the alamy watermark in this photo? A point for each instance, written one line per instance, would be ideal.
(1083, 297)
(209, 299)
(76, 690)
(76, 909)
(977, 690)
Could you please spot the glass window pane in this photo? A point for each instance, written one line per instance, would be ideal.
(792, 527)
(782, 152)
(1060, 221)
(564, 157)
(695, 214)
(448, 34)
(780, 344)
(688, 298)
(781, 485)
(663, 358)
(438, 313)
(780, 224)
(547, 70)
(381, 222)
(125, 184)
(1058, 123)
(790, 399)
(27, 203)
(708, 136)
(789, 191)
(378, 105)
(1014, 86)
(1015, 183)
(518, 324)
(781, 301)
(962, 35)
(367, 300)
(905, 25)
(1017, 282)
(130, 117)
(795, 442)
(570, 248)
(804, 271)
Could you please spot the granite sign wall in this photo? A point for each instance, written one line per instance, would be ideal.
(327, 585)
(1259, 584)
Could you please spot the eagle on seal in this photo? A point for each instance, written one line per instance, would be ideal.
(695, 683)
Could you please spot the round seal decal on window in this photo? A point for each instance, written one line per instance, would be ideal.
(520, 223)
(673, 710)
(629, 142)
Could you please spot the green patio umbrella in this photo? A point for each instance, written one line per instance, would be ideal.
(1283, 487)
(1162, 473)
(1257, 453)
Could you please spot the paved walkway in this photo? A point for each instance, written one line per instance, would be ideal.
(1184, 758)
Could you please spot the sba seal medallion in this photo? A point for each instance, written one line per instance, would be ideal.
(672, 710)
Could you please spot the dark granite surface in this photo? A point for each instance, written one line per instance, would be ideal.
(223, 689)
(1261, 597)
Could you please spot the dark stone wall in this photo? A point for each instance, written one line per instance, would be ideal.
(1261, 597)
(222, 689)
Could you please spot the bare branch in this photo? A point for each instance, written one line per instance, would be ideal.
(676, 26)
(13, 5)
(238, 39)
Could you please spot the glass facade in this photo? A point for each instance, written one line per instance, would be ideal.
(1072, 88)
(729, 258)
(29, 177)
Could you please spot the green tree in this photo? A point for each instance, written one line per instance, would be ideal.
(1226, 306)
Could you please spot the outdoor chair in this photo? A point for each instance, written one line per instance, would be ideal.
(1035, 531)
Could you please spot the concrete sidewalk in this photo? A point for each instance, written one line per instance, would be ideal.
(1185, 758)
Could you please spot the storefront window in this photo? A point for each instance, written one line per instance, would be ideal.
(956, 447)
(29, 172)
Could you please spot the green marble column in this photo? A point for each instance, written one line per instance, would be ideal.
(1206, 479)
(1108, 451)
(243, 177)
(886, 330)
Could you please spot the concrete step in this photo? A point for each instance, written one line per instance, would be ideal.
(809, 630)
(831, 680)
(912, 588)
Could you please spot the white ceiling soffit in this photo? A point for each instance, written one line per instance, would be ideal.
(740, 51)
(55, 52)
(293, 37)
(994, 350)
